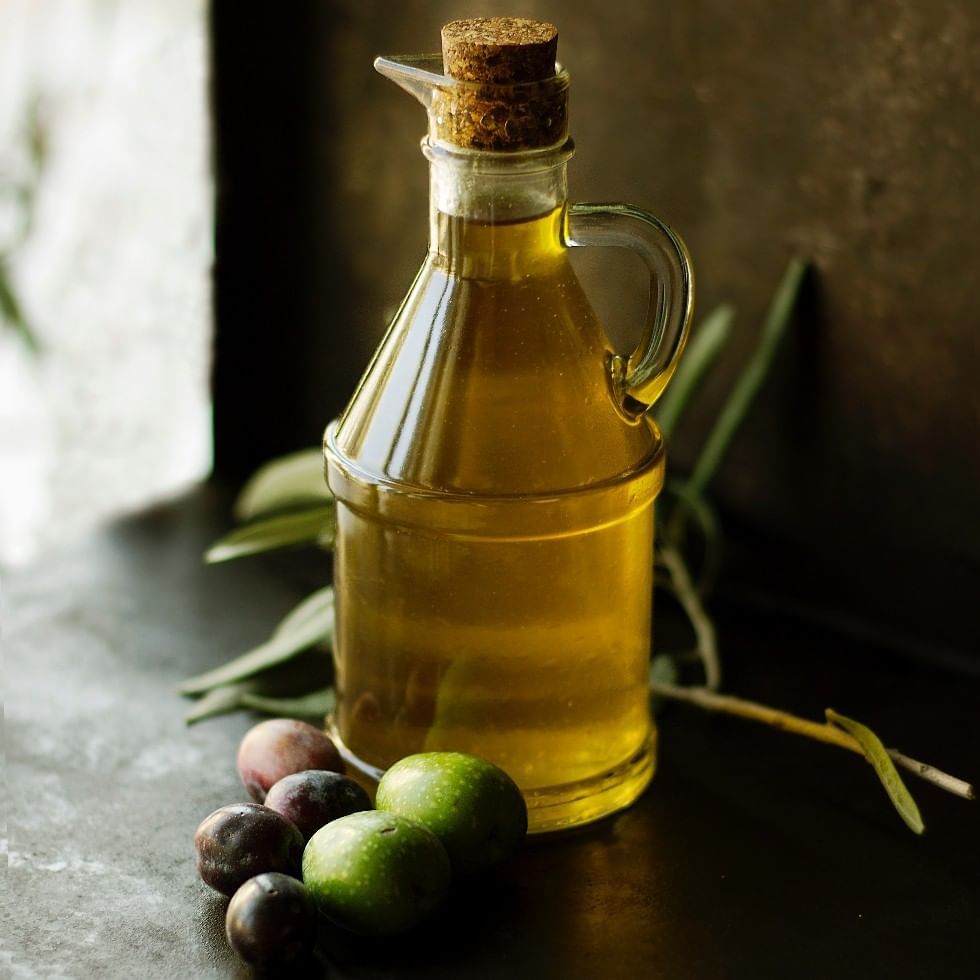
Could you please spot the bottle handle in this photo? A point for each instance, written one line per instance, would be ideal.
(639, 380)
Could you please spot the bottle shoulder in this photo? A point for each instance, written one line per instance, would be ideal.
(493, 386)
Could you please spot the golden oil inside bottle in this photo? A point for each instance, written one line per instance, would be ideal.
(494, 555)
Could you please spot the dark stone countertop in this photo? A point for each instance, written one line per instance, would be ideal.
(753, 855)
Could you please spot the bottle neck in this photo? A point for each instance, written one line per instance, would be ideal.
(495, 214)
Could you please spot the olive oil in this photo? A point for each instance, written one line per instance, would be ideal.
(495, 530)
(495, 473)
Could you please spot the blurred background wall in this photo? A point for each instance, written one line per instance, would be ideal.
(105, 250)
(844, 132)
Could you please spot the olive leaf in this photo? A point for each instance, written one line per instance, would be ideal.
(289, 679)
(315, 604)
(707, 341)
(283, 483)
(315, 525)
(315, 704)
(218, 701)
(316, 628)
(750, 380)
(246, 694)
(878, 756)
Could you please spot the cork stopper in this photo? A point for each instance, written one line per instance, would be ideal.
(509, 98)
(499, 50)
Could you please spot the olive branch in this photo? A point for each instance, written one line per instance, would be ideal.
(286, 504)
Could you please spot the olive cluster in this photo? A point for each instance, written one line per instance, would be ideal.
(312, 842)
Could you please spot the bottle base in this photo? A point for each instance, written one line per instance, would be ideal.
(553, 808)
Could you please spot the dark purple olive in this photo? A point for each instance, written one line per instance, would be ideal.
(315, 797)
(280, 747)
(271, 919)
(240, 841)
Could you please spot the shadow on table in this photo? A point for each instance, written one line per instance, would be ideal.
(557, 909)
(560, 908)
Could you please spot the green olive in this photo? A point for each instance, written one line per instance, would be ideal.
(375, 873)
(470, 804)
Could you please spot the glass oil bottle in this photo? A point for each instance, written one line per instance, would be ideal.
(495, 473)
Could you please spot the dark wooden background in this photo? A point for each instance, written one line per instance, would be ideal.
(845, 132)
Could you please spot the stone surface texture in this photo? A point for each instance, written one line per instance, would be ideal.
(752, 855)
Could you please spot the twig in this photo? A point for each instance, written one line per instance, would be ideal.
(952, 784)
(783, 720)
(704, 630)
